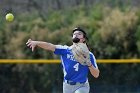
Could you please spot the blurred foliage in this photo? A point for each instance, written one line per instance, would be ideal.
(117, 34)
(113, 33)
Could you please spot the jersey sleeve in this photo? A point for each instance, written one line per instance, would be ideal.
(60, 50)
(93, 60)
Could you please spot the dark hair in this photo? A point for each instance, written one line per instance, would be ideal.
(79, 29)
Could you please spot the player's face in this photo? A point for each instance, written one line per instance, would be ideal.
(79, 34)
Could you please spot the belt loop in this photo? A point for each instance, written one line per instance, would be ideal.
(66, 81)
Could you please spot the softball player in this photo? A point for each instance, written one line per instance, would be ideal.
(75, 74)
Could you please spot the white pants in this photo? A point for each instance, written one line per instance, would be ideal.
(78, 88)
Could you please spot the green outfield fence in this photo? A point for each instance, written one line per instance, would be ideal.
(116, 79)
(50, 61)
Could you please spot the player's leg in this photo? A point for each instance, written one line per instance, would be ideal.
(67, 88)
(84, 89)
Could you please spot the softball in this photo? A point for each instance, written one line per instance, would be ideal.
(10, 17)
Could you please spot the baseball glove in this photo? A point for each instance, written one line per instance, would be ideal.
(81, 53)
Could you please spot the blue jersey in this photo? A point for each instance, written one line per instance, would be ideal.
(73, 70)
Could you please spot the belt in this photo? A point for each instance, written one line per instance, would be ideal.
(73, 83)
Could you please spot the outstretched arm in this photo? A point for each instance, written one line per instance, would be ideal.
(45, 45)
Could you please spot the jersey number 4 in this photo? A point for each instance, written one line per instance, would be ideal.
(76, 67)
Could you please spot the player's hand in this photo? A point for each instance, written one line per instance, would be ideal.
(89, 64)
(31, 44)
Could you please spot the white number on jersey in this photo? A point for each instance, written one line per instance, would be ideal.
(76, 66)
